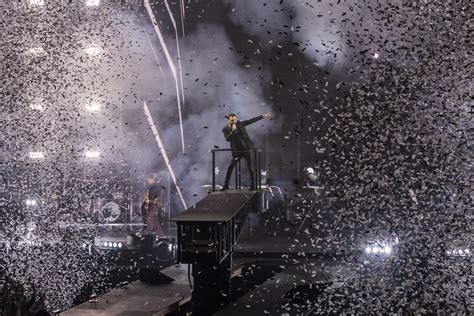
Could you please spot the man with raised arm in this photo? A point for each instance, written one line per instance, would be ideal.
(240, 144)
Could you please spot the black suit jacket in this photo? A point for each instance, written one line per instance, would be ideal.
(230, 135)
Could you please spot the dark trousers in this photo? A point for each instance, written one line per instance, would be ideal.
(232, 164)
(151, 219)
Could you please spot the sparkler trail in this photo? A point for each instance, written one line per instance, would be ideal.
(162, 149)
(177, 49)
(181, 6)
(154, 54)
(171, 64)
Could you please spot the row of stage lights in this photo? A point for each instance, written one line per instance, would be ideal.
(382, 248)
(91, 50)
(38, 155)
(379, 250)
(89, 3)
(112, 244)
(458, 252)
(31, 202)
(90, 107)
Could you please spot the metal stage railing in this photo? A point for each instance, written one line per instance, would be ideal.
(238, 178)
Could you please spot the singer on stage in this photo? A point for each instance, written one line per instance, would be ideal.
(240, 144)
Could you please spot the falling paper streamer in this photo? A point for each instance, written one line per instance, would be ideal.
(413, 196)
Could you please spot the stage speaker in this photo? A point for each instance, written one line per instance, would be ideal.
(148, 241)
(258, 202)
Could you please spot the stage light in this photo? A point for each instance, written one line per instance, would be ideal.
(120, 245)
(368, 250)
(37, 107)
(36, 2)
(375, 249)
(376, 55)
(114, 244)
(92, 154)
(36, 155)
(37, 51)
(31, 202)
(387, 249)
(93, 50)
(459, 252)
(92, 3)
(93, 106)
(105, 244)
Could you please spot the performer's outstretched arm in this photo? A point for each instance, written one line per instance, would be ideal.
(255, 119)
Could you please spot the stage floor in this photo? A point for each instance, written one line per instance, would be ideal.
(140, 299)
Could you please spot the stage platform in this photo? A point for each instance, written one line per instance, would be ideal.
(217, 207)
(140, 299)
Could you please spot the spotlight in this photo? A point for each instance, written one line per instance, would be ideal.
(376, 55)
(37, 107)
(458, 252)
(105, 244)
(368, 250)
(36, 155)
(93, 106)
(36, 2)
(30, 202)
(37, 51)
(92, 154)
(114, 245)
(93, 50)
(92, 3)
(119, 245)
(387, 249)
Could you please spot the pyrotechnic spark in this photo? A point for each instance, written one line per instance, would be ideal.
(181, 5)
(171, 64)
(163, 151)
(177, 49)
(154, 54)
